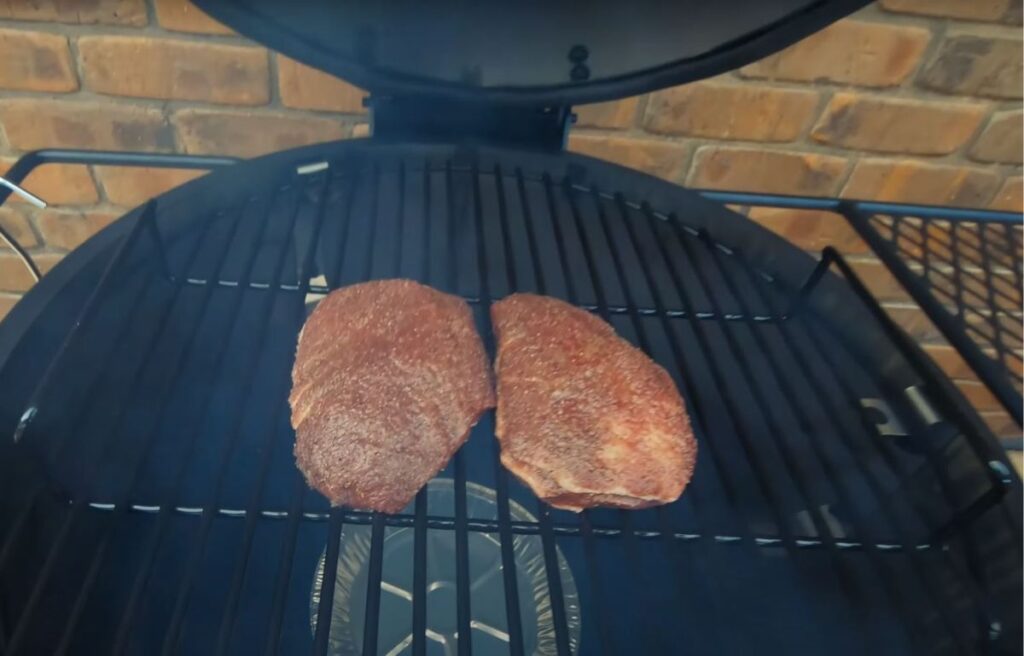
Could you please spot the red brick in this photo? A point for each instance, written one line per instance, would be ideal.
(304, 87)
(882, 284)
(1001, 424)
(908, 181)
(896, 125)
(616, 114)
(131, 186)
(67, 230)
(915, 323)
(17, 226)
(848, 52)
(7, 303)
(176, 70)
(978, 396)
(15, 277)
(973, 65)
(768, 171)
(1002, 141)
(982, 10)
(1017, 460)
(1010, 196)
(79, 12)
(659, 158)
(32, 123)
(949, 361)
(250, 134)
(811, 230)
(183, 16)
(360, 130)
(731, 111)
(58, 184)
(36, 61)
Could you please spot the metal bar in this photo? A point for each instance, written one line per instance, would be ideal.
(346, 224)
(508, 557)
(84, 315)
(872, 207)
(419, 576)
(787, 540)
(262, 329)
(284, 569)
(958, 283)
(238, 578)
(998, 489)
(373, 585)
(100, 551)
(796, 471)
(20, 251)
(419, 569)
(364, 518)
(983, 366)
(998, 342)
(323, 615)
(589, 550)
(1015, 259)
(375, 569)
(462, 603)
(671, 313)
(842, 429)
(142, 576)
(797, 403)
(692, 499)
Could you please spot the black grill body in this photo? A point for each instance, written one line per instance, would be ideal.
(846, 500)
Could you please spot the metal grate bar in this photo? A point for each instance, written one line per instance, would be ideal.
(284, 569)
(323, 616)
(70, 518)
(508, 557)
(462, 603)
(207, 517)
(554, 577)
(796, 470)
(419, 583)
(375, 571)
(962, 333)
(100, 553)
(797, 403)
(820, 350)
(142, 575)
(692, 499)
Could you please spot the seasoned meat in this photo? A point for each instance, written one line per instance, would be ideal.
(584, 418)
(389, 378)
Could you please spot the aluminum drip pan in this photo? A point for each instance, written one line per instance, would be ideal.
(488, 620)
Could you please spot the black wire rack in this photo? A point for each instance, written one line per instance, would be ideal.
(966, 274)
(164, 513)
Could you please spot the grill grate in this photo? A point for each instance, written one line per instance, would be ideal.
(171, 518)
(968, 274)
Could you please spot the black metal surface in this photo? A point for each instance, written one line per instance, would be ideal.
(152, 503)
(527, 53)
(966, 275)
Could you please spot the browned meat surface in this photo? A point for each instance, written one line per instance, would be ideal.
(389, 378)
(584, 418)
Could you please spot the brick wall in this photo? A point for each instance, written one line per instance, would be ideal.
(909, 100)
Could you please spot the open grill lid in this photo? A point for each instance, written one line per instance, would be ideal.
(534, 52)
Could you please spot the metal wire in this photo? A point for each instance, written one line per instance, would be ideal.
(774, 403)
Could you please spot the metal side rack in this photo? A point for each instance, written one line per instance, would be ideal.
(151, 503)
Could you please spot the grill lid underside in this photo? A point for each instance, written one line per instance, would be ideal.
(529, 53)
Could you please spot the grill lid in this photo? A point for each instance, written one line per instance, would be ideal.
(530, 52)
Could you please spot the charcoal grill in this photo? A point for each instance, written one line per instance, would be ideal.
(846, 498)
